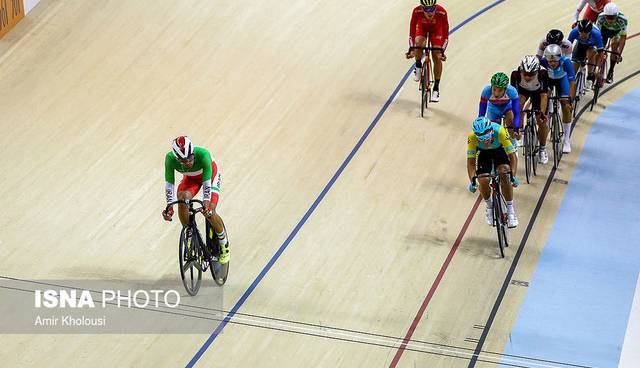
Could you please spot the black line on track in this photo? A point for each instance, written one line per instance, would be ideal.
(525, 237)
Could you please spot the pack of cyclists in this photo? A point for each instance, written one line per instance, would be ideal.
(489, 145)
(553, 68)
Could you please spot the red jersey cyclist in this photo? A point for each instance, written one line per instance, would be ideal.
(595, 7)
(429, 19)
(198, 170)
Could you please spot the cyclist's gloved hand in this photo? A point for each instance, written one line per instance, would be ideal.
(514, 181)
(167, 214)
(207, 209)
(473, 186)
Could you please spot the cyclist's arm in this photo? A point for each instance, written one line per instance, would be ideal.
(206, 177)
(472, 150)
(581, 5)
(541, 48)
(412, 28)
(544, 90)
(573, 35)
(515, 104)
(446, 28)
(571, 76)
(482, 110)
(598, 38)
(484, 100)
(169, 178)
(621, 43)
(509, 149)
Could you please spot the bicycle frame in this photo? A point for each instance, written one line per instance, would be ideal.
(426, 78)
(499, 209)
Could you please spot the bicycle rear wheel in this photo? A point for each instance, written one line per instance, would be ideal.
(579, 92)
(535, 150)
(219, 271)
(189, 255)
(599, 82)
(556, 139)
(528, 151)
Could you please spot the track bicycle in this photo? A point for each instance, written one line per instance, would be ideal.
(426, 78)
(196, 256)
(600, 76)
(556, 127)
(581, 89)
(530, 146)
(500, 217)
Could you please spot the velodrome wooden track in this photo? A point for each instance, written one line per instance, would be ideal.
(281, 92)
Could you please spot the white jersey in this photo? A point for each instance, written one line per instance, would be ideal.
(565, 45)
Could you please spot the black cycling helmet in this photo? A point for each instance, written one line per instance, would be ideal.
(585, 26)
(554, 37)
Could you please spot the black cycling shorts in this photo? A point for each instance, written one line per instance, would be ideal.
(534, 96)
(488, 159)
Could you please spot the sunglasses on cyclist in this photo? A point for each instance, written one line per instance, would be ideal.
(610, 18)
(429, 9)
(486, 135)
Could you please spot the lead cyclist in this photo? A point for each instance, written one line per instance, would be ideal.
(199, 170)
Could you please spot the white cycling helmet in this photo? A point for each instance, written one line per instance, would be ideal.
(530, 64)
(610, 9)
(182, 147)
(553, 53)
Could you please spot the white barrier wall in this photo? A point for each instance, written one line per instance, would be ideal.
(29, 4)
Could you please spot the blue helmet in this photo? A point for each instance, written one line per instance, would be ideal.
(481, 125)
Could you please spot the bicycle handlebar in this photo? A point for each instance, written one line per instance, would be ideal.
(187, 202)
(488, 175)
(426, 48)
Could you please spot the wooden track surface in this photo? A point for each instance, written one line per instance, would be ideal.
(280, 92)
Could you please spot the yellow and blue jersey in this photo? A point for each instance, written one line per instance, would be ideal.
(500, 139)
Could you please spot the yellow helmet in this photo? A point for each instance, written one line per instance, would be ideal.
(428, 2)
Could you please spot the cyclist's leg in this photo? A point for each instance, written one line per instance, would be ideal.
(578, 55)
(565, 102)
(420, 41)
(543, 127)
(188, 188)
(438, 41)
(484, 166)
(503, 168)
(505, 179)
(591, 59)
(508, 123)
(615, 47)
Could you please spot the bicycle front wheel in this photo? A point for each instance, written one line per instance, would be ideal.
(188, 257)
(426, 92)
(498, 218)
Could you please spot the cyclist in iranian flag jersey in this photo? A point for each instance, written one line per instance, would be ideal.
(198, 170)
(595, 7)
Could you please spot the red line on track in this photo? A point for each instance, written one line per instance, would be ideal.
(633, 35)
(434, 286)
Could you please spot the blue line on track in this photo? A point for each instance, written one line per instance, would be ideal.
(315, 204)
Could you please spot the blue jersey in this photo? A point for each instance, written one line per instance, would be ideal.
(594, 40)
(564, 69)
(494, 107)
